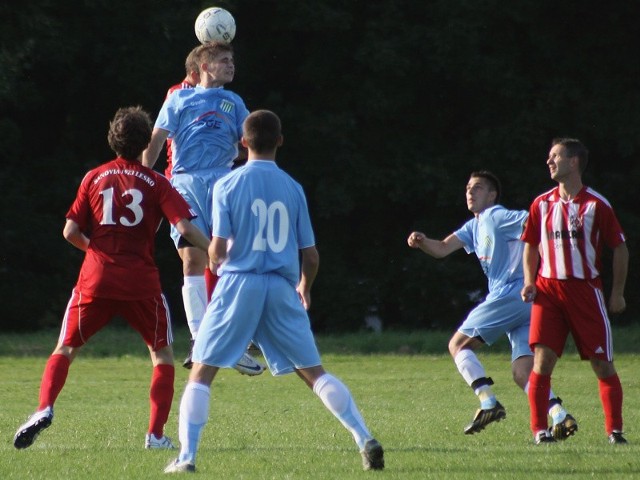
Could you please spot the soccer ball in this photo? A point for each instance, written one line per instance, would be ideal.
(215, 24)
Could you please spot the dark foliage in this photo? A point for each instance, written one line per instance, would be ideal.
(387, 106)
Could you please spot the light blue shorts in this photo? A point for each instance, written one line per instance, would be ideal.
(504, 314)
(197, 190)
(264, 309)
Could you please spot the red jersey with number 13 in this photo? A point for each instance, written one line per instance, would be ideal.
(119, 206)
(571, 233)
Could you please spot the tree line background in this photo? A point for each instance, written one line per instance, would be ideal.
(387, 106)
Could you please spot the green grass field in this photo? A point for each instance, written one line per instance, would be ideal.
(409, 391)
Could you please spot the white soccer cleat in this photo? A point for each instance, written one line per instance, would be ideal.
(249, 365)
(177, 466)
(162, 443)
(29, 431)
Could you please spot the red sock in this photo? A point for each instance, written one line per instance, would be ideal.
(539, 387)
(53, 379)
(611, 398)
(210, 281)
(160, 396)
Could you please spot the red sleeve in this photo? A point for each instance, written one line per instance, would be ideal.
(80, 209)
(531, 232)
(610, 227)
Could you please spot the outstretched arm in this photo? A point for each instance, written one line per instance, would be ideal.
(193, 234)
(435, 248)
(620, 265)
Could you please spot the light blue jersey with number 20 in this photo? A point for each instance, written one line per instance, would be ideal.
(270, 211)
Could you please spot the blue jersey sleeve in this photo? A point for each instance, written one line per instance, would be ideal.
(466, 234)
(511, 223)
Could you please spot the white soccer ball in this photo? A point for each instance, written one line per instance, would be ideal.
(215, 24)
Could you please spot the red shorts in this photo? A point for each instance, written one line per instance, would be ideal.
(576, 306)
(86, 315)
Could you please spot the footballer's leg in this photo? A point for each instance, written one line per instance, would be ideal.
(194, 414)
(338, 400)
(491, 410)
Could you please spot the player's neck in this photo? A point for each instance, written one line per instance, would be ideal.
(570, 188)
(211, 83)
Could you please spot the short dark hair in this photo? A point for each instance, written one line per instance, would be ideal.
(262, 130)
(130, 132)
(191, 63)
(574, 148)
(494, 181)
(206, 52)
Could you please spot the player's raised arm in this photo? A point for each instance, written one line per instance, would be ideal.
(435, 248)
(150, 155)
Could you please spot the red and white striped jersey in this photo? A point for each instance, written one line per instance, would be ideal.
(570, 233)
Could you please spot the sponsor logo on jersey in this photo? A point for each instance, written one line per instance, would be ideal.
(565, 234)
(226, 106)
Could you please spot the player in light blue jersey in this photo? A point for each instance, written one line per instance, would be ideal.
(494, 235)
(205, 125)
(261, 228)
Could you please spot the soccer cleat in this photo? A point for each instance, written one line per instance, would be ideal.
(565, 428)
(249, 365)
(544, 436)
(188, 363)
(162, 443)
(29, 431)
(372, 455)
(616, 438)
(485, 417)
(177, 466)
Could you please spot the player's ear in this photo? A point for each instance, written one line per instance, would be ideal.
(243, 142)
(280, 140)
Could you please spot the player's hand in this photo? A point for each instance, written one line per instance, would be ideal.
(617, 304)
(305, 298)
(415, 239)
(528, 293)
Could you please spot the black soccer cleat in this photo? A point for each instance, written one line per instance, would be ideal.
(188, 363)
(372, 455)
(544, 436)
(565, 429)
(29, 431)
(616, 438)
(484, 417)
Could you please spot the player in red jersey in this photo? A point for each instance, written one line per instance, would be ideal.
(114, 219)
(567, 228)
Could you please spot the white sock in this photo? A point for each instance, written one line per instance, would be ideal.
(194, 413)
(338, 400)
(194, 298)
(469, 366)
(557, 411)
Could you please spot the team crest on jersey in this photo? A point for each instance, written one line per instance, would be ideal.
(226, 106)
(575, 222)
